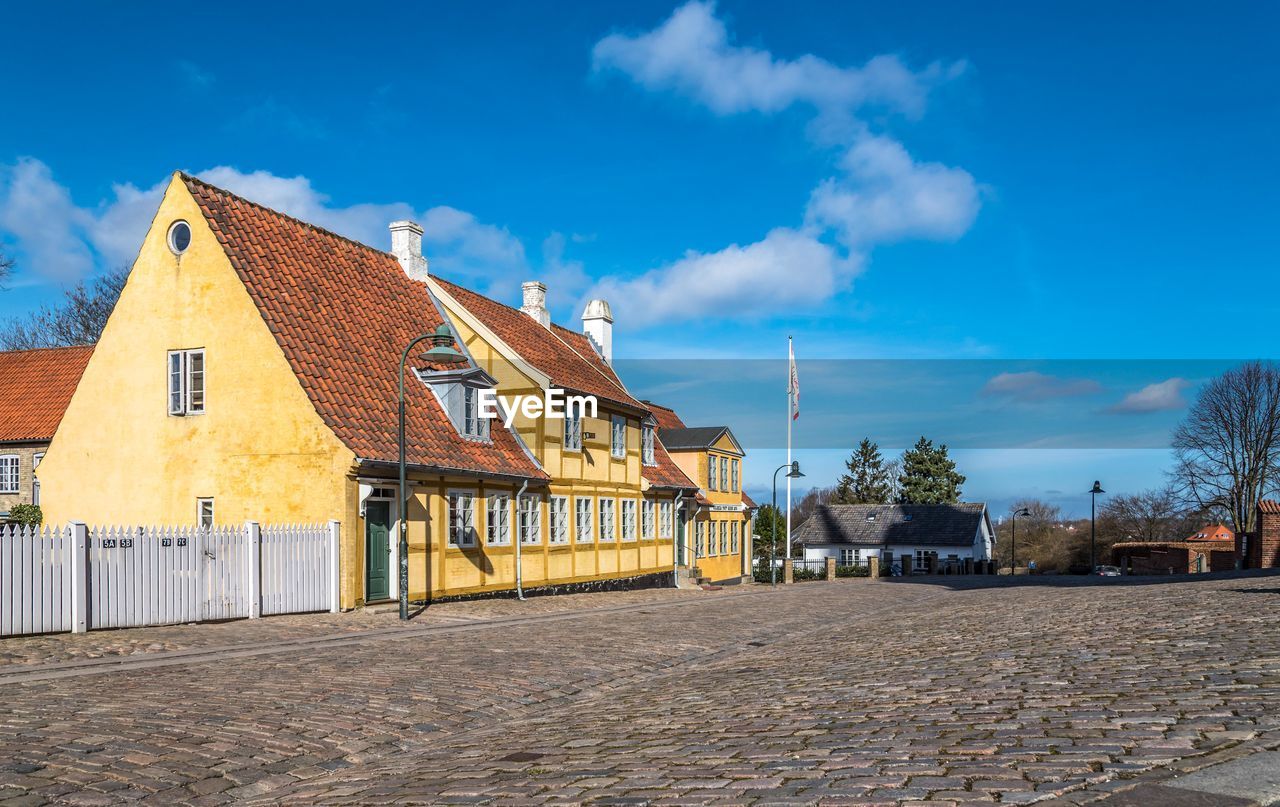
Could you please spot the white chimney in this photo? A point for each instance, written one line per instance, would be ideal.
(406, 245)
(535, 302)
(597, 323)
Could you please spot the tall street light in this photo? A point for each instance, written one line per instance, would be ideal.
(794, 473)
(441, 352)
(1013, 546)
(1093, 527)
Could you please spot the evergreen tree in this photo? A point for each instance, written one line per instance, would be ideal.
(928, 475)
(868, 480)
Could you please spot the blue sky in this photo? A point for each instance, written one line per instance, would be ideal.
(1009, 188)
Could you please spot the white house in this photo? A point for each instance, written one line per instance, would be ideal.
(852, 533)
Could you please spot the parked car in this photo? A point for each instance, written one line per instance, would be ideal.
(1106, 571)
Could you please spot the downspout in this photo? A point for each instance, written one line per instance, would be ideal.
(520, 539)
(676, 541)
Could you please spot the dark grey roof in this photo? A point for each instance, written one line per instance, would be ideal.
(697, 437)
(879, 524)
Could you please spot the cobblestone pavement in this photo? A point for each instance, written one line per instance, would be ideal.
(976, 690)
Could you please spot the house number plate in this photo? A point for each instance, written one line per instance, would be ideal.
(108, 543)
(166, 542)
(126, 543)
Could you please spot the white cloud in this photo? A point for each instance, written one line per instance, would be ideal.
(38, 215)
(1031, 386)
(1159, 397)
(881, 194)
(691, 53)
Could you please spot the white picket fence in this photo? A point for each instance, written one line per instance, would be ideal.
(77, 578)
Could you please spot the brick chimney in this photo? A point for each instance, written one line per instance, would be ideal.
(535, 302)
(597, 323)
(406, 245)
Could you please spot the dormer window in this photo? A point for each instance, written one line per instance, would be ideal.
(462, 395)
(473, 423)
(646, 444)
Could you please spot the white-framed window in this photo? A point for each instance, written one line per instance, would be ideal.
(204, 512)
(531, 520)
(572, 428)
(665, 519)
(618, 437)
(474, 424)
(559, 511)
(628, 519)
(582, 514)
(498, 520)
(35, 480)
(733, 538)
(724, 537)
(646, 445)
(724, 474)
(608, 531)
(700, 541)
(733, 484)
(9, 473)
(186, 382)
(922, 559)
(712, 465)
(850, 557)
(648, 527)
(462, 518)
(178, 237)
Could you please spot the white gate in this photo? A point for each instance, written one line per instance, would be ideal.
(77, 578)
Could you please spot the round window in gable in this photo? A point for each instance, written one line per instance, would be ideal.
(179, 237)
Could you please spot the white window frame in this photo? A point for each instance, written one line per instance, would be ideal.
(497, 531)
(474, 424)
(628, 519)
(733, 467)
(618, 437)
(530, 519)
(558, 511)
(608, 525)
(700, 540)
(10, 473)
(713, 465)
(724, 537)
(648, 520)
(462, 522)
(182, 386)
(572, 428)
(724, 474)
(205, 512)
(733, 538)
(666, 519)
(647, 441)
(584, 519)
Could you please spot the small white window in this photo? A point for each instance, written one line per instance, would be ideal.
(9, 473)
(204, 512)
(733, 485)
(608, 531)
(724, 474)
(560, 520)
(474, 423)
(724, 537)
(462, 518)
(179, 237)
(733, 538)
(186, 382)
(646, 445)
(498, 523)
(531, 520)
(572, 428)
(628, 519)
(700, 543)
(647, 525)
(618, 438)
(665, 510)
(583, 514)
(712, 465)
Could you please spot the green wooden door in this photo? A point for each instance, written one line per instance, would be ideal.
(377, 564)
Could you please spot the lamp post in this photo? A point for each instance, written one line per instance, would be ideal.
(794, 473)
(1093, 526)
(441, 352)
(1013, 545)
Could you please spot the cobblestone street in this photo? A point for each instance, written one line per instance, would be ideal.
(955, 690)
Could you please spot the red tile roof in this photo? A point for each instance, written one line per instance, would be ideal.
(666, 474)
(342, 312)
(1216, 532)
(749, 502)
(35, 388)
(666, 417)
(565, 356)
(1269, 506)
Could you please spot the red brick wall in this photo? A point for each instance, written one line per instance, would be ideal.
(1264, 549)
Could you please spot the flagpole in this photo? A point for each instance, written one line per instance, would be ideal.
(790, 411)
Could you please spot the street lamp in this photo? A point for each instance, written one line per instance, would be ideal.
(794, 473)
(1013, 546)
(442, 352)
(1093, 527)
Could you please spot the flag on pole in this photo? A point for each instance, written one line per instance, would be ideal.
(793, 384)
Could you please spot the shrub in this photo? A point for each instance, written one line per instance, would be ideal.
(853, 571)
(27, 515)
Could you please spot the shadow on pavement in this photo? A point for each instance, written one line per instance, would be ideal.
(971, 582)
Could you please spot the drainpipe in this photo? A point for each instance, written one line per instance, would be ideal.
(676, 540)
(519, 540)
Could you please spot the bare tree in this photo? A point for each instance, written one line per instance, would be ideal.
(78, 320)
(6, 268)
(808, 504)
(1152, 515)
(1227, 449)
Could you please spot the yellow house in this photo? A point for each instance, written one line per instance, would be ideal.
(721, 543)
(250, 372)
